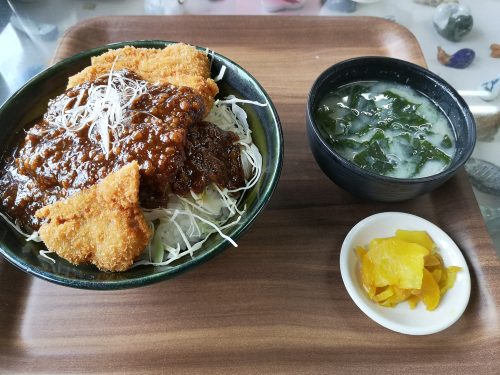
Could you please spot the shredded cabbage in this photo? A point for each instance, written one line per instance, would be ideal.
(43, 254)
(221, 74)
(29, 237)
(181, 228)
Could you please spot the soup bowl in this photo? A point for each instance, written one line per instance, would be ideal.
(368, 184)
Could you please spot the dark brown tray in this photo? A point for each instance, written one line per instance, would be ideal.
(276, 304)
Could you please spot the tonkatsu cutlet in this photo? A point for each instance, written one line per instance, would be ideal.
(102, 225)
(178, 64)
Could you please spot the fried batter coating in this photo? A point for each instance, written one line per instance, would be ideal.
(102, 225)
(178, 64)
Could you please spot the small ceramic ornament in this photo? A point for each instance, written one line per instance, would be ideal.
(460, 59)
(495, 50)
(490, 89)
(344, 6)
(279, 5)
(453, 21)
(434, 3)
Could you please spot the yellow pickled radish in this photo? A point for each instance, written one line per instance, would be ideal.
(432, 261)
(406, 267)
(413, 301)
(399, 295)
(360, 251)
(382, 296)
(394, 262)
(451, 275)
(437, 274)
(416, 236)
(431, 293)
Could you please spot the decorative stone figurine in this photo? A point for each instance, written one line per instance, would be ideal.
(495, 50)
(453, 21)
(460, 59)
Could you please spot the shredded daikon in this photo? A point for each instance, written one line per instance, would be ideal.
(105, 108)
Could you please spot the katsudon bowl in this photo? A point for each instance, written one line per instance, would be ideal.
(30, 102)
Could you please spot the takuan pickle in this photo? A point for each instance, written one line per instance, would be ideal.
(406, 267)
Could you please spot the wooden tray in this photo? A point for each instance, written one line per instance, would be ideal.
(277, 303)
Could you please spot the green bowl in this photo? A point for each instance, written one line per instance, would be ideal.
(30, 102)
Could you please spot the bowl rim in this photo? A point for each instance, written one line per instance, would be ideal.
(262, 200)
(456, 163)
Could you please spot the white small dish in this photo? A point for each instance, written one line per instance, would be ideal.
(401, 318)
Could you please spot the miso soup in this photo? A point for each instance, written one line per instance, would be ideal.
(386, 128)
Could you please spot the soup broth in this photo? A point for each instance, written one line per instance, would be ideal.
(386, 128)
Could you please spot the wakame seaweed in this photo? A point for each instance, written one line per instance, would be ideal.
(381, 130)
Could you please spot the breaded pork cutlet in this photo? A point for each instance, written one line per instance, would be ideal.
(102, 225)
(178, 64)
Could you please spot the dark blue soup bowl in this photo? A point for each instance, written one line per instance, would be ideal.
(365, 183)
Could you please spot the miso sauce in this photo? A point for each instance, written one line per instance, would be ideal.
(386, 128)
